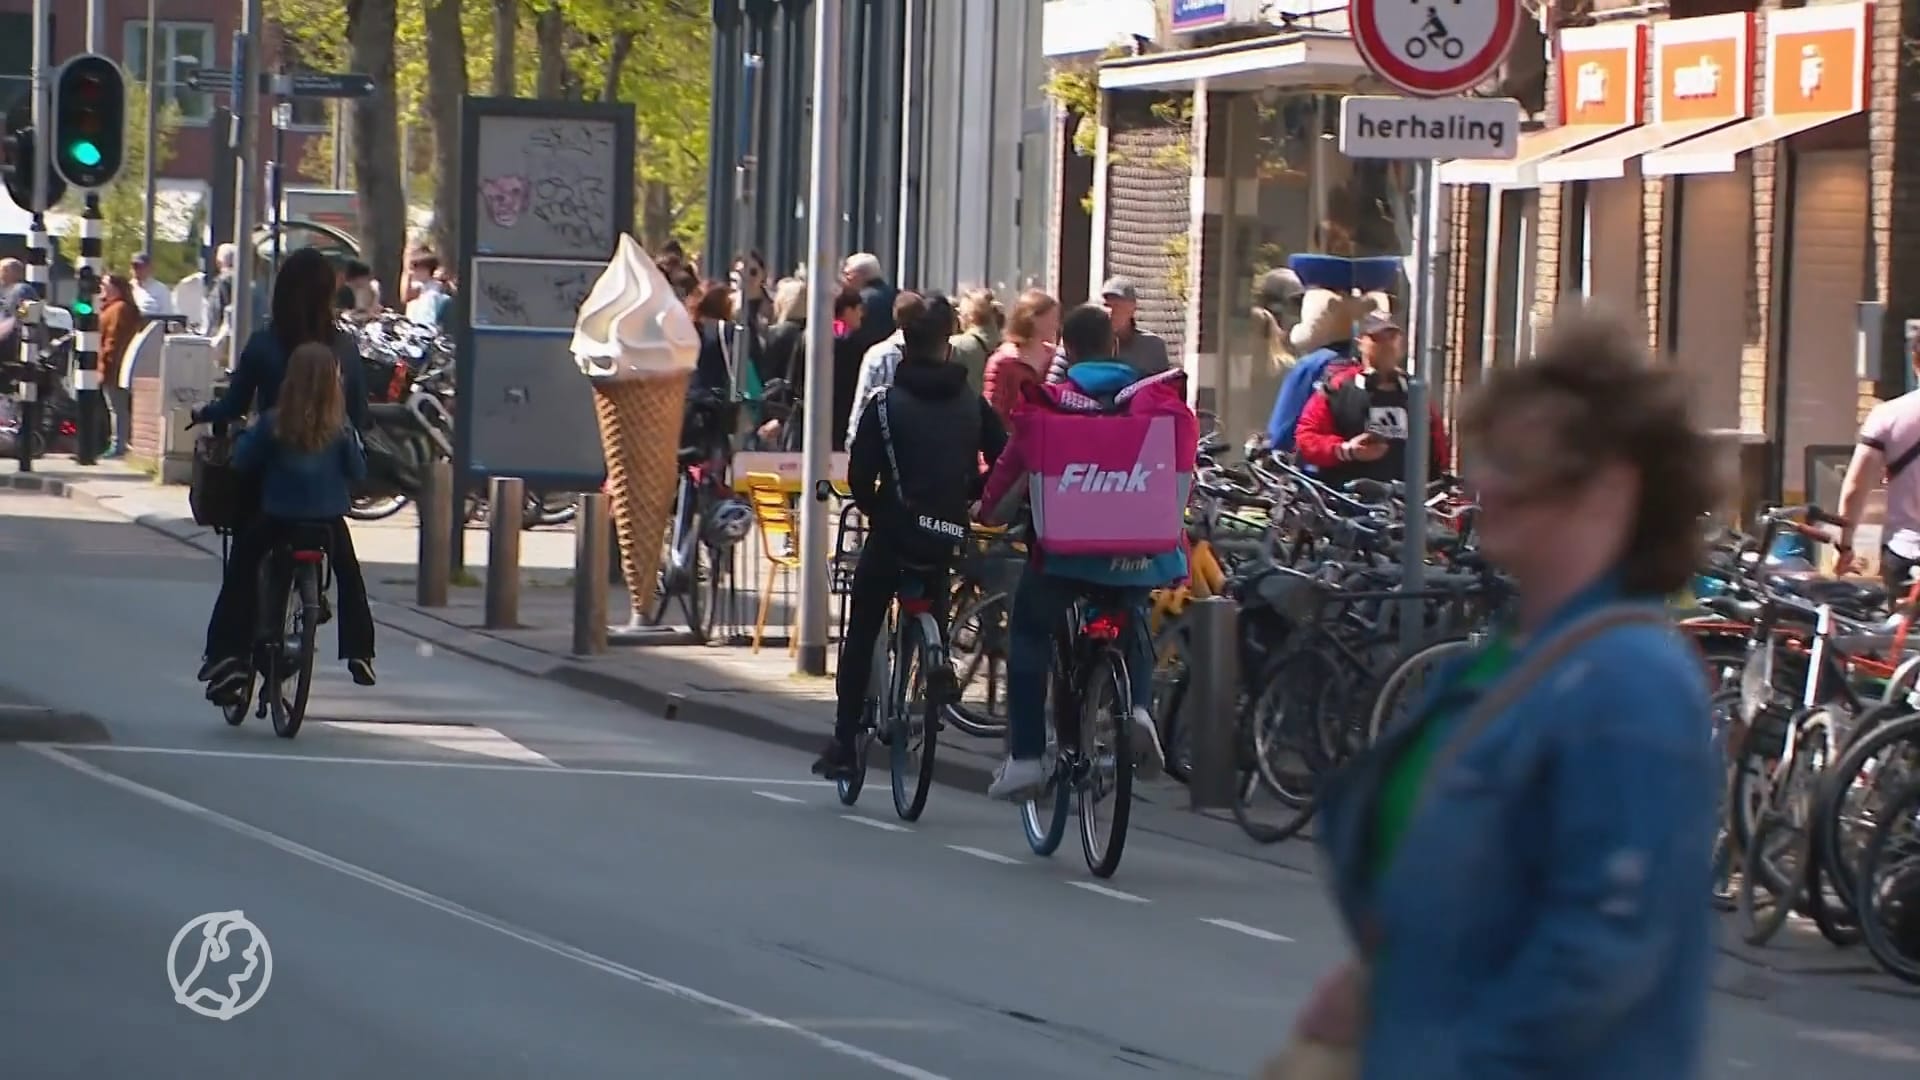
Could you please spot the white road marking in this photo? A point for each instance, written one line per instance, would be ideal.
(505, 929)
(777, 797)
(483, 741)
(418, 763)
(1114, 893)
(982, 853)
(876, 823)
(1250, 931)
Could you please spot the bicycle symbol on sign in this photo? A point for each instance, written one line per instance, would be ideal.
(1434, 34)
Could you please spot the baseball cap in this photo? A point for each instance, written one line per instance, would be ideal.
(1377, 321)
(142, 259)
(1120, 288)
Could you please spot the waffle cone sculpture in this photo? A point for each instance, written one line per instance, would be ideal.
(640, 431)
(637, 343)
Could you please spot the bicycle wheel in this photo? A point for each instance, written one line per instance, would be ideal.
(288, 715)
(1171, 677)
(977, 643)
(1890, 886)
(1406, 683)
(910, 745)
(1883, 756)
(1106, 730)
(235, 711)
(1772, 878)
(1043, 818)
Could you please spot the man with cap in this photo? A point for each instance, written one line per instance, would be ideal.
(1142, 350)
(150, 295)
(1355, 427)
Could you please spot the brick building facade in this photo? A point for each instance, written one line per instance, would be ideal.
(191, 33)
(1750, 206)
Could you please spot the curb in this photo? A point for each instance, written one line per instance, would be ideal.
(36, 483)
(38, 724)
(718, 715)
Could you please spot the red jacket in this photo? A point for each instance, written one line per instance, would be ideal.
(1006, 379)
(1319, 439)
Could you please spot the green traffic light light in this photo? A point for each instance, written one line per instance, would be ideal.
(85, 152)
(83, 307)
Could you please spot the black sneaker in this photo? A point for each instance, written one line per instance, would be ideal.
(227, 682)
(835, 762)
(362, 672)
(206, 669)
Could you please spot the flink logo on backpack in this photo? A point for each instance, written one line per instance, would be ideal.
(1091, 478)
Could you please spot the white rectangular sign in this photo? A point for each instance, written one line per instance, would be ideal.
(1429, 128)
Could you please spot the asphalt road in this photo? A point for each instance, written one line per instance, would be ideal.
(491, 876)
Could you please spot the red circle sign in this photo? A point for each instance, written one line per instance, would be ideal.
(1434, 48)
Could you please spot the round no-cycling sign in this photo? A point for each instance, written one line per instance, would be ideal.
(1434, 48)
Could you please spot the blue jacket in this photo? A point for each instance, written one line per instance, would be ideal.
(255, 385)
(1545, 915)
(301, 487)
(1298, 389)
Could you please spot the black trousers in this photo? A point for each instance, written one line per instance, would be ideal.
(235, 613)
(1893, 573)
(877, 579)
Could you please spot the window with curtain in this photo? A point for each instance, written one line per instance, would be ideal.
(180, 47)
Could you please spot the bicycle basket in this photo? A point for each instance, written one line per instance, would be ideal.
(220, 495)
(1296, 597)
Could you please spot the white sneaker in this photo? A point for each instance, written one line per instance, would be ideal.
(1149, 756)
(1018, 779)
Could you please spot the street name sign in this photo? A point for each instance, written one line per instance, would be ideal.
(1434, 48)
(1424, 129)
(311, 84)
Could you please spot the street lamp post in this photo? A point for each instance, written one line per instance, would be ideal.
(153, 114)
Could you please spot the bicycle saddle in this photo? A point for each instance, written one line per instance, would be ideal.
(308, 537)
(1839, 592)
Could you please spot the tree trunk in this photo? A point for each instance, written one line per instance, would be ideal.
(446, 85)
(616, 64)
(550, 41)
(506, 27)
(376, 146)
(657, 214)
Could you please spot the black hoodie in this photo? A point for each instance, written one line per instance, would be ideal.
(939, 430)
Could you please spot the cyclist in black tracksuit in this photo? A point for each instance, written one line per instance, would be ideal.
(914, 470)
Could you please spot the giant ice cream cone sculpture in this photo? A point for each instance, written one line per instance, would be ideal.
(637, 343)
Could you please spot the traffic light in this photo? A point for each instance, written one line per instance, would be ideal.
(89, 120)
(21, 151)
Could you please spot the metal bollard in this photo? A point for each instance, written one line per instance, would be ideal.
(1211, 709)
(590, 559)
(435, 569)
(506, 507)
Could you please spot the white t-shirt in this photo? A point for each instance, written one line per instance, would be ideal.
(153, 298)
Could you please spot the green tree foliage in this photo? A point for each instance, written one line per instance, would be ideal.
(651, 53)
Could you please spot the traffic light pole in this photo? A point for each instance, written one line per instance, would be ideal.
(246, 109)
(32, 334)
(86, 317)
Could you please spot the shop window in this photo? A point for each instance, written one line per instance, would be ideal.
(180, 47)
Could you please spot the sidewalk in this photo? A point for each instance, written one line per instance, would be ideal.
(759, 696)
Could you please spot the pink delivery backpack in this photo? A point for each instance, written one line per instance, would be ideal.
(1110, 480)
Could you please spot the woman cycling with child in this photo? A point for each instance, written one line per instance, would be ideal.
(296, 481)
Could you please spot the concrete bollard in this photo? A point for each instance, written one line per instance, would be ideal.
(591, 544)
(506, 507)
(1211, 709)
(435, 570)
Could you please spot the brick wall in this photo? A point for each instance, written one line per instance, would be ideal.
(1760, 287)
(1894, 130)
(1464, 313)
(1149, 183)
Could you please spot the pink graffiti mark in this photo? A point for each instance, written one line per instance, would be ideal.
(506, 198)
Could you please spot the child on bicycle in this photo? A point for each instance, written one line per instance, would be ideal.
(308, 458)
(913, 470)
(1107, 456)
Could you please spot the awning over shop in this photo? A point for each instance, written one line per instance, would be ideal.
(1536, 147)
(1719, 151)
(1607, 159)
(1301, 58)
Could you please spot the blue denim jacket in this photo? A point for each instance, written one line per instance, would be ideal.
(1545, 916)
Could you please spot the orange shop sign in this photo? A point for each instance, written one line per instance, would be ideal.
(1600, 80)
(1703, 68)
(1817, 59)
